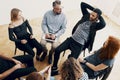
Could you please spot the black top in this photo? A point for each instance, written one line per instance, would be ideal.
(5, 65)
(20, 32)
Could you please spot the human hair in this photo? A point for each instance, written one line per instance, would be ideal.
(71, 70)
(98, 11)
(14, 14)
(110, 48)
(56, 2)
(34, 76)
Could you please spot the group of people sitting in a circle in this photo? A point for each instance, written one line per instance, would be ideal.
(53, 26)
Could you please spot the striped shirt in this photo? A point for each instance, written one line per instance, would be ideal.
(84, 76)
(82, 32)
(54, 24)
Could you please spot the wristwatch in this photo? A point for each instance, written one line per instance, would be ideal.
(84, 62)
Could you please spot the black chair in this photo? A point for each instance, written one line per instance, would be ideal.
(16, 49)
(104, 74)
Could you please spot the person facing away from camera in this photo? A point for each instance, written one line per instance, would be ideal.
(72, 70)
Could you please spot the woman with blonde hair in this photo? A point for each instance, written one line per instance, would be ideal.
(102, 58)
(21, 33)
(72, 70)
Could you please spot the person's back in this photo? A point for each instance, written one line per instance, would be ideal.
(72, 70)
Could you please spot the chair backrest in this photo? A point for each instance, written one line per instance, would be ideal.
(105, 73)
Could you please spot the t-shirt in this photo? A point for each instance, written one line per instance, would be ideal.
(84, 76)
(95, 60)
(82, 32)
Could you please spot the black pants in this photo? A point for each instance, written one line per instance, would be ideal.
(26, 59)
(69, 43)
(28, 47)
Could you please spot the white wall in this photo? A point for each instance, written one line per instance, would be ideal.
(111, 8)
(31, 8)
(36, 8)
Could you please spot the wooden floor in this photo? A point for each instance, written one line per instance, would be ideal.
(7, 47)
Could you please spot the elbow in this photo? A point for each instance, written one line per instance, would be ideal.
(82, 4)
(95, 69)
(104, 24)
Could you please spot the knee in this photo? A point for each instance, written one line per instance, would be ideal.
(29, 57)
(43, 43)
(57, 51)
(31, 53)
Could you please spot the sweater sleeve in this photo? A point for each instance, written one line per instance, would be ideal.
(84, 7)
(12, 36)
(29, 27)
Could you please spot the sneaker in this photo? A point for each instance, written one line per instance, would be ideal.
(43, 56)
(54, 72)
(54, 68)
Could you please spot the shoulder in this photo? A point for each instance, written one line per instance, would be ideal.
(24, 19)
(109, 62)
(63, 14)
(11, 25)
(84, 76)
(48, 12)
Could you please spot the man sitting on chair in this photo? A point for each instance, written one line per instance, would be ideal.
(53, 26)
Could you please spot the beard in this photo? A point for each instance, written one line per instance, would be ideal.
(93, 20)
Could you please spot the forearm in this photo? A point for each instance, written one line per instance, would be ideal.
(5, 57)
(7, 73)
(29, 27)
(58, 34)
(91, 66)
(45, 29)
(101, 24)
(12, 36)
(97, 67)
(85, 6)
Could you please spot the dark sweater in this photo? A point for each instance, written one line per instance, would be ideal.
(93, 28)
(20, 32)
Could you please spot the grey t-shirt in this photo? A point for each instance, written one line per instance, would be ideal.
(82, 32)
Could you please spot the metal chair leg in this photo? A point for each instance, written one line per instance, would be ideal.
(15, 50)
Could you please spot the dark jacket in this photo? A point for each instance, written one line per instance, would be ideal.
(93, 28)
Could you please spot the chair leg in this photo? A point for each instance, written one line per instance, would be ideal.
(84, 53)
(63, 53)
(15, 50)
(24, 52)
